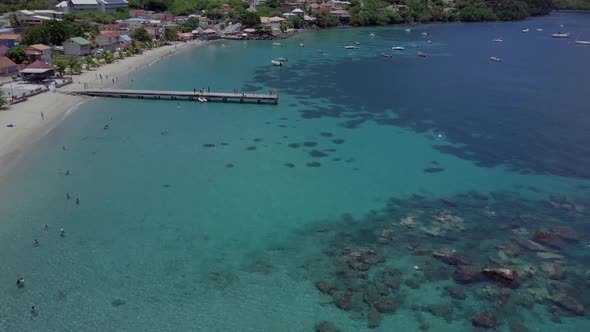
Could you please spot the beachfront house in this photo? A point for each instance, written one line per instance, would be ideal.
(107, 40)
(77, 46)
(184, 36)
(39, 52)
(112, 5)
(341, 15)
(274, 23)
(38, 71)
(10, 40)
(124, 41)
(210, 34)
(7, 66)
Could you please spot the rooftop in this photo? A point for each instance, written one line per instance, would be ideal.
(83, 2)
(39, 65)
(80, 40)
(40, 47)
(10, 36)
(6, 62)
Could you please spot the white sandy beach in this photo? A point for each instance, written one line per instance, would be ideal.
(29, 127)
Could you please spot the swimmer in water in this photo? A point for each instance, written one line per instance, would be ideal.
(77, 201)
(62, 232)
(417, 268)
(20, 282)
(45, 227)
(67, 196)
(36, 243)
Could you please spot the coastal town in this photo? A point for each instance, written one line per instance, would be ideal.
(39, 47)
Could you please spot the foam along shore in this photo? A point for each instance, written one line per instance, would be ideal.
(29, 126)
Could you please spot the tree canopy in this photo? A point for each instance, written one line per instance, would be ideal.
(141, 35)
(54, 32)
(17, 54)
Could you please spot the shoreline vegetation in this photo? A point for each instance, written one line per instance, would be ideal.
(40, 114)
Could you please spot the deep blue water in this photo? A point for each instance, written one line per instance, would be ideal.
(224, 217)
(526, 112)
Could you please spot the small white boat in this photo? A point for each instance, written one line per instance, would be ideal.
(498, 40)
(408, 30)
(539, 30)
(429, 41)
(561, 25)
(351, 47)
(301, 44)
(424, 33)
(422, 55)
(560, 35)
(372, 34)
(525, 30)
(398, 48)
(277, 44)
(202, 99)
(276, 63)
(281, 59)
(583, 42)
(496, 59)
(386, 55)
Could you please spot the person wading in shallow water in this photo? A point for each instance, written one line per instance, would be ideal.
(20, 282)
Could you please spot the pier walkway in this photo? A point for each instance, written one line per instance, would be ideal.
(178, 95)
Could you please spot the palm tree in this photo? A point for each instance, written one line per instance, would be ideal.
(3, 99)
(60, 65)
(108, 57)
(74, 64)
(89, 62)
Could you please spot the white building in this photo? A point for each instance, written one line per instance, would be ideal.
(75, 6)
(112, 5)
(102, 6)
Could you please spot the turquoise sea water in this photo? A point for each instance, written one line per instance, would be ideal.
(216, 217)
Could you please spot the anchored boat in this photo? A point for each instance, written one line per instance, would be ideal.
(560, 35)
(277, 63)
(495, 58)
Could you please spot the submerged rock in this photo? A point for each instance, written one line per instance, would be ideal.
(373, 318)
(568, 303)
(566, 233)
(325, 287)
(518, 327)
(485, 319)
(530, 245)
(325, 326)
(550, 256)
(342, 300)
(386, 236)
(466, 274)
(117, 302)
(502, 274)
(553, 270)
(444, 311)
(455, 292)
(449, 256)
(548, 239)
(385, 305)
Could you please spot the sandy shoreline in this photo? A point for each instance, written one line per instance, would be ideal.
(29, 127)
